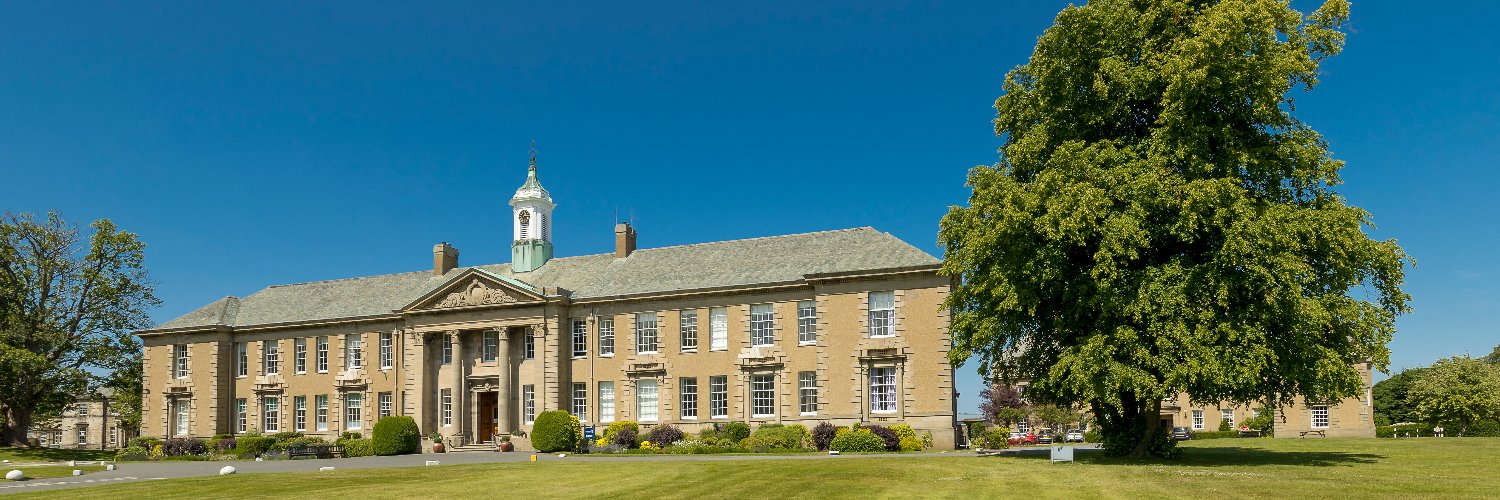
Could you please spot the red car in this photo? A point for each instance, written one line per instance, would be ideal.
(1020, 438)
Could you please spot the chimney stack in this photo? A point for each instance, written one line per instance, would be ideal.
(444, 258)
(624, 240)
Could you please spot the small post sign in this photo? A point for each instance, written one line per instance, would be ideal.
(1062, 453)
(588, 434)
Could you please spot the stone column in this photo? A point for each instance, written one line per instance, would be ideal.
(460, 405)
(505, 393)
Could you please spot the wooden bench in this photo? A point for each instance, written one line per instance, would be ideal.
(1250, 433)
(1318, 432)
(315, 452)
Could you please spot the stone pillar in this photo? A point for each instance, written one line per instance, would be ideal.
(460, 401)
(505, 393)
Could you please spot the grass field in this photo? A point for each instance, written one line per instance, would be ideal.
(38, 455)
(1226, 468)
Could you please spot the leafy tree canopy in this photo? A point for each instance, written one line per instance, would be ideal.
(67, 308)
(1159, 221)
(1459, 390)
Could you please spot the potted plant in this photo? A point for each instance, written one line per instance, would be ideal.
(437, 442)
(505, 444)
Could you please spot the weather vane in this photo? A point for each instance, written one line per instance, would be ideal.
(533, 151)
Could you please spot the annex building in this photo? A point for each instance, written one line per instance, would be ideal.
(840, 326)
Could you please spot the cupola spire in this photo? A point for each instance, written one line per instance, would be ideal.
(531, 217)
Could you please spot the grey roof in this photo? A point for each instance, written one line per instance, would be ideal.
(775, 259)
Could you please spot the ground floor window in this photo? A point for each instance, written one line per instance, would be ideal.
(763, 395)
(242, 415)
(385, 404)
(581, 401)
(689, 397)
(446, 409)
(83, 435)
(354, 411)
(718, 396)
(882, 390)
(270, 411)
(1197, 419)
(180, 416)
(807, 393)
(606, 401)
(645, 400)
(1227, 416)
(321, 403)
(528, 403)
(1320, 416)
(299, 413)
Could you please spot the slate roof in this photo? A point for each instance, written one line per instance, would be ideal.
(723, 264)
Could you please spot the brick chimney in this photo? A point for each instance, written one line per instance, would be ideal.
(624, 240)
(444, 258)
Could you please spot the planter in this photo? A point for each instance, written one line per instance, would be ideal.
(507, 446)
(437, 447)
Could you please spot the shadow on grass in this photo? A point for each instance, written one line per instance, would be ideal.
(17, 454)
(1216, 457)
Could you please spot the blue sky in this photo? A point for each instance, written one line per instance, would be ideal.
(261, 143)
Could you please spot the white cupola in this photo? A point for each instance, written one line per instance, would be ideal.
(531, 224)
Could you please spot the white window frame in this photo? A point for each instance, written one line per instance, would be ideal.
(384, 405)
(242, 415)
(581, 401)
(1227, 415)
(270, 357)
(718, 329)
(606, 337)
(181, 413)
(299, 412)
(528, 344)
(528, 403)
(718, 396)
(645, 333)
(445, 396)
(1319, 416)
(762, 325)
(580, 339)
(299, 356)
(322, 345)
(180, 359)
(647, 397)
(320, 410)
(606, 401)
(354, 411)
(489, 349)
(270, 414)
(762, 395)
(883, 392)
(882, 314)
(687, 327)
(242, 359)
(447, 351)
(807, 393)
(354, 351)
(687, 398)
(387, 351)
(1197, 419)
(807, 322)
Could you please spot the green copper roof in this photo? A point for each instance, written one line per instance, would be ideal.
(532, 189)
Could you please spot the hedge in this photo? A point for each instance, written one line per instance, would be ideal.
(396, 435)
(737, 431)
(857, 441)
(555, 430)
(253, 445)
(358, 447)
(1215, 434)
(777, 437)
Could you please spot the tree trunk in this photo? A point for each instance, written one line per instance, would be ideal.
(1148, 417)
(17, 422)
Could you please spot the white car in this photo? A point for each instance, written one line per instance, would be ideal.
(1074, 436)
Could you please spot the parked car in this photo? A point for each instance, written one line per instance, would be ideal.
(1020, 438)
(1182, 433)
(1044, 436)
(1073, 436)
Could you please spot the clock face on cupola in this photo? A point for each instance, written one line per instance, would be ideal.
(532, 225)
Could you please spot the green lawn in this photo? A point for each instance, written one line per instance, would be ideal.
(1225, 468)
(37, 455)
(51, 471)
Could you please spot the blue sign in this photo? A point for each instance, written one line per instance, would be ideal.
(588, 433)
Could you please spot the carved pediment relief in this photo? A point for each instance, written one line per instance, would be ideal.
(475, 288)
(475, 293)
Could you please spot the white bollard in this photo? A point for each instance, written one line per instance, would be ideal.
(325, 469)
(562, 455)
(259, 459)
(15, 475)
(833, 452)
(227, 470)
(109, 466)
(77, 472)
(432, 462)
(72, 463)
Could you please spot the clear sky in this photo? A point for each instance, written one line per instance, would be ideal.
(261, 143)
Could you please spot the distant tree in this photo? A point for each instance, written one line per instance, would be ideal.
(1392, 396)
(998, 397)
(1458, 390)
(1494, 356)
(1056, 417)
(66, 310)
(1159, 222)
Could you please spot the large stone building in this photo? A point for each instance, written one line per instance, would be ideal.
(840, 326)
(92, 422)
(1349, 417)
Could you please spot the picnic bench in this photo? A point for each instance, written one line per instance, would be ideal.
(315, 452)
(1318, 432)
(1250, 433)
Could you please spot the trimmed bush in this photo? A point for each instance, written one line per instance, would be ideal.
(357, 447)
(665, 434)
(283, 436)
(911, 444)
(178, 447)
(396, 435)
(892, 441)
(771, 436)
(736, 431)
(225, 444)
(555, 430)
(904, 431)
(298, 442)
(976, 430)
(1093, 437)
(616, 427)
(350, 435)
(823, 434)
(857, 441)
(1215, 434)
(144, 442)
(1408, 430)
(253, 445)
(131, 453)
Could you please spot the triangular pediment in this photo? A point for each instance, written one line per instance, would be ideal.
(475, 288)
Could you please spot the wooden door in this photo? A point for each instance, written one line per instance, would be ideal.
(489, 416)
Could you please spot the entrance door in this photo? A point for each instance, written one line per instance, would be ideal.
(489, 416)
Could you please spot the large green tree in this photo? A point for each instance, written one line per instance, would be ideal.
(1392, 398)
(1458, 390)
(1159, 221)
(67, 307)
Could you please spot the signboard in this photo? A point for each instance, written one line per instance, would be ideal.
(1062, 453)
(588, 434)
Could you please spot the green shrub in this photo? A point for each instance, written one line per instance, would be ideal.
(1215, 434)
(131, 453)
(776, 437)
(1483, 428)
(997, 438)
(396, 435)
(857, 441)
(1265, 422)
(350, 435)
(926, 440)
(357, 447)
(737, 431)
(555, 430)
(904, 431)
(823, 434)
(298, 442)
(143, 442)
(803, 436)
(616, 427)
(911, 444)
(1407, 430)
(283, 436)
(252, 445)
(1093, 437)
(1224, 426)
(976, 430)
